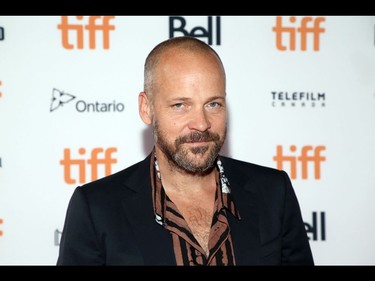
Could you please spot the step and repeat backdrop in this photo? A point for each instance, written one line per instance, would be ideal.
(301, 95)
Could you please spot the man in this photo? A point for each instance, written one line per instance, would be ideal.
(185, 204)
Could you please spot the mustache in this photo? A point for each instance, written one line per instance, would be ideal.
(198, 136)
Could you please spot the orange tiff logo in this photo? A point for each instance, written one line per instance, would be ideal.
(304, 30)
(94, 161)
(1, 222)
(302, 160)
(95, 24)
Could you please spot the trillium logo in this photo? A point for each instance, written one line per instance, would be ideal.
(59, 98)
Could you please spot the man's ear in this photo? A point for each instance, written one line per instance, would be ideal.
(144, 108)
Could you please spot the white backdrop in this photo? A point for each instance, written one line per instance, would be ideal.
(303, 86)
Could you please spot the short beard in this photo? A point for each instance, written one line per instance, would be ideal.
(177, 155)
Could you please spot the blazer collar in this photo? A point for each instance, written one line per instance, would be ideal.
(245, 233)
(138, 176)
(153, 241)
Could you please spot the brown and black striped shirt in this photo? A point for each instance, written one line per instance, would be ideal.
(186, 248)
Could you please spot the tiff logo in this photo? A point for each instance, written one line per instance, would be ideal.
(2, 33)
(314, 227)
(95, 24)
(1, 94)
(283, 31)
(94, 161)
(178, 25)
(1, 222)
(303, 159)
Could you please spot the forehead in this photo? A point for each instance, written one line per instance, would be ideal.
(178, 61)
(187, 72)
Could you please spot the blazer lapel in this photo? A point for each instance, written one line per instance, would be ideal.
(153, 241)
(245, 232)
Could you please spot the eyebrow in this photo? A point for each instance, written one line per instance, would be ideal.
(187, 99)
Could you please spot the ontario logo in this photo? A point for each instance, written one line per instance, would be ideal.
(61, 98)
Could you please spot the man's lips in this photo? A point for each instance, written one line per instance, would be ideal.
(198, 141)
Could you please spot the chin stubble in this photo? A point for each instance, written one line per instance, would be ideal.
(178, 156)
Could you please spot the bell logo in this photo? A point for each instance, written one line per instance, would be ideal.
(81, 162)
(92, 28)
(178, 25)
(281, 30)
(304, 159)
(316, 225)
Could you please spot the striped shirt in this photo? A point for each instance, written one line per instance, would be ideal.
(186, 248)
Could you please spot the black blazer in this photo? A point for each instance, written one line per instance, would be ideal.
(111, 221)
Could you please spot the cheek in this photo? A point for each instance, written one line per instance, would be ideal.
(170, 122)
(169, 127)
(218, 122)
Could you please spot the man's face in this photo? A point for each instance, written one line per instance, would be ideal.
(189, 111)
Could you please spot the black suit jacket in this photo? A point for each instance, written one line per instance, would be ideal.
(111, 221)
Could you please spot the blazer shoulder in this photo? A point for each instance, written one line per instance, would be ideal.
(252, 170)
(268, 181)
(133, 175)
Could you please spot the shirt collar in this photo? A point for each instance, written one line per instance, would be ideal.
(223, 192)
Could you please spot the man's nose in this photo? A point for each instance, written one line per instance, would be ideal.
(199, 120)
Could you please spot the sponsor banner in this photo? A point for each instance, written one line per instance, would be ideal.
(300, 96)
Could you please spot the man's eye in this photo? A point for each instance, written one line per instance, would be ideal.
(214, 104)
(178, 105)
